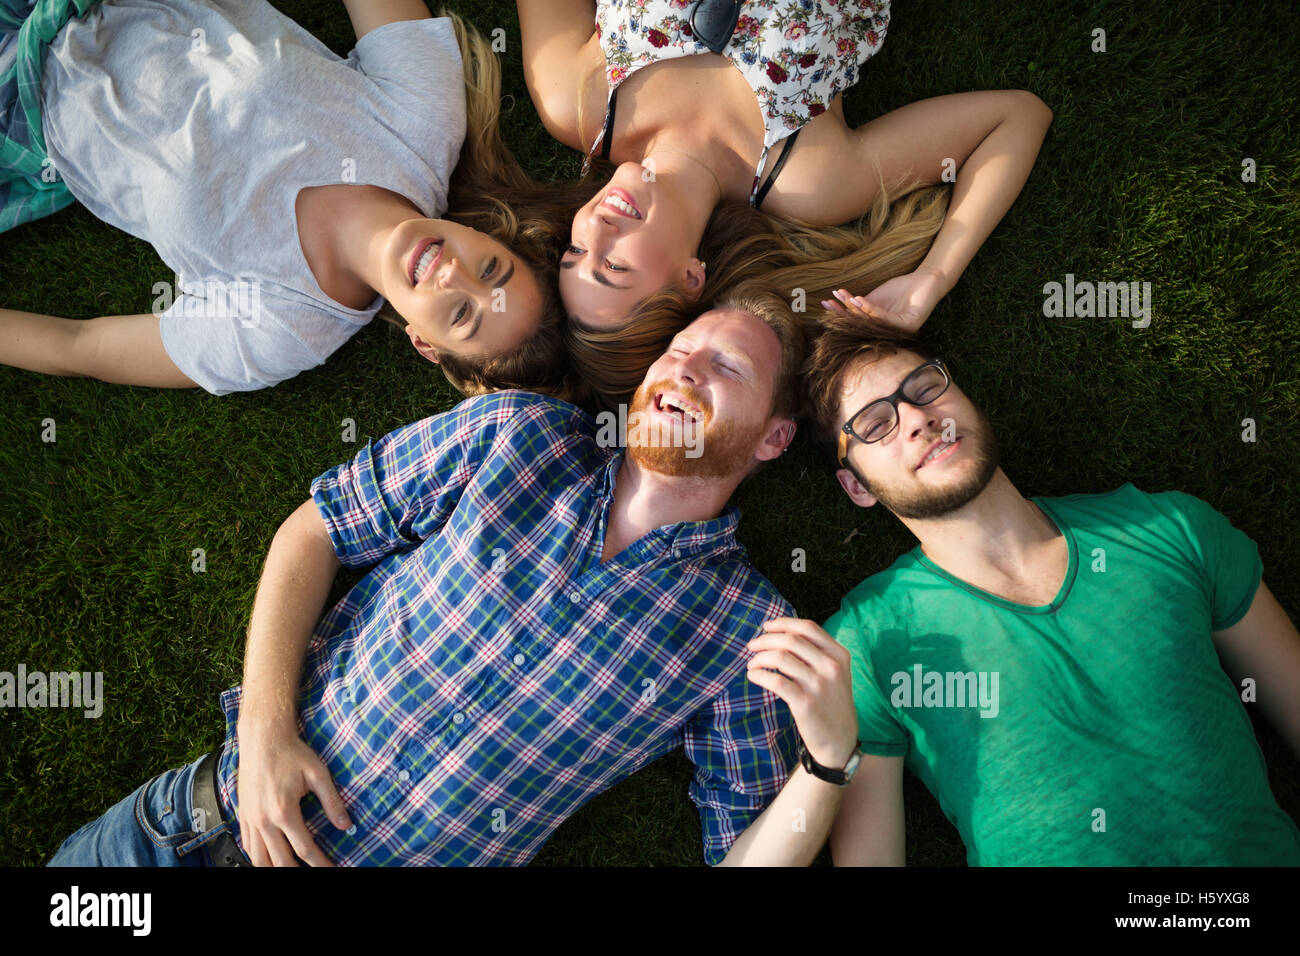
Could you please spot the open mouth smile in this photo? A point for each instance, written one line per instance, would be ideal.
(939, 451)
(620, 200)
(427, 254)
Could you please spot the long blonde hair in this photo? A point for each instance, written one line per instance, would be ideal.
(743, 246)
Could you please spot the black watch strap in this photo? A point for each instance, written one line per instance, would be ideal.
(829, 774)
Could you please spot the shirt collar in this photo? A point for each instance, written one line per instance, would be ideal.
(684, 539)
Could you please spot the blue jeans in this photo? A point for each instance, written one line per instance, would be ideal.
(154, 826)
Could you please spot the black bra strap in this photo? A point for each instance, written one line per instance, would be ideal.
(607, 137)
(776, 170)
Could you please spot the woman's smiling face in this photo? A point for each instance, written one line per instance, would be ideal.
(460, 290)
(628, 242)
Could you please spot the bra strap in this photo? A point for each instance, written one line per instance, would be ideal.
(776, 170)
(604, 140)
(607, 134)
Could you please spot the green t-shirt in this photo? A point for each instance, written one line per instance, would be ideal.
(1098, 730)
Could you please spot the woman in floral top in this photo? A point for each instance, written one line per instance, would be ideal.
(686, 140)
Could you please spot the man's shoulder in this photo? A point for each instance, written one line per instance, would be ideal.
(515, 408)
(741, 589)
(1132, 510)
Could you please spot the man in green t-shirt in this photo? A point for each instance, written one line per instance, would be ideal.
(1048, 667)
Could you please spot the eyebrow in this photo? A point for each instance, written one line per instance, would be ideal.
(746, 364)
(478, 314)
(596, 274)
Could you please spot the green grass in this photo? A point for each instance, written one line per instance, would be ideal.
(1139, 180)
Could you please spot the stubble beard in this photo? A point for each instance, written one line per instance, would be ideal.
(925, 503)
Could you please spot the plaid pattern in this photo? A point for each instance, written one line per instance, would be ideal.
(28, 190)
(490, 675)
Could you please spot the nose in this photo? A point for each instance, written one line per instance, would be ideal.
(691, 367)
(452, 275)
(914, 421)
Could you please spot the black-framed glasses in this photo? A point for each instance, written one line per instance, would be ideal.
(875, 421)
(714, 21)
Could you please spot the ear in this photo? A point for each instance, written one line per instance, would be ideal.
(853, 488)
(421, 346)
(777, 440)
(695, 278)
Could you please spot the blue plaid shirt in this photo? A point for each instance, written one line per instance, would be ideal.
(490, 675)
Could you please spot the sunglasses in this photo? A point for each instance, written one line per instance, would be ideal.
(714, 21)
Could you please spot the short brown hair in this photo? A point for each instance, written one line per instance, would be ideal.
(842, 346)
(776, 314)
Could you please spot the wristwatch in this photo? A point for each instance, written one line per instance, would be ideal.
(830, 775)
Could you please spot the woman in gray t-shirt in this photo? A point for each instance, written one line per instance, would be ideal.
(289, 190)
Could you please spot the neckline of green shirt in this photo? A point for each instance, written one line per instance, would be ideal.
(988, 596)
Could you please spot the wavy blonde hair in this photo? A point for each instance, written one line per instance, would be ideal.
(747, 248)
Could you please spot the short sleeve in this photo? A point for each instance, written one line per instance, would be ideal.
(879, 731)
(241, 342)
(1226, 557)
(417, 65)
(399, 490)
(743, 749)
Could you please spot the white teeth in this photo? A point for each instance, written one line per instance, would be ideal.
(668, 405)
(425, 259)
(938, 451)
(619, 204)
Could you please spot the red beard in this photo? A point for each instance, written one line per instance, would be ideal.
(686, 449)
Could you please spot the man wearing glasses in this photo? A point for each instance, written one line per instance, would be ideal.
(1048, 667)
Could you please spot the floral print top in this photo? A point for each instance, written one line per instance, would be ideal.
(795, 54)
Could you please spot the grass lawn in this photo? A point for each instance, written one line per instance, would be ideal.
(1140, 180)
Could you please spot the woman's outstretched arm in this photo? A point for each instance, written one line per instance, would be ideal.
(554, 34)
(368, 14)
(123, 349)
(988, 141)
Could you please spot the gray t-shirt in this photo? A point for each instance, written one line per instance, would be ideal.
(194, 126)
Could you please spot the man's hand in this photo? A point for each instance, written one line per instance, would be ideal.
(814, 680)
(904, 302)
(276, 770)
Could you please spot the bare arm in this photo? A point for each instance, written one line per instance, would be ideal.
(870, 830)
(988, 140)
(557, 37)
(276, 767)
(122, 349)
(1264, 645)
(366, 15)
(805, 667)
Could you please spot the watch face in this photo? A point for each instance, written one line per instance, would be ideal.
(853, 765)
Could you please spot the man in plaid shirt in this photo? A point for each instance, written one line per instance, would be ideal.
(546, 616)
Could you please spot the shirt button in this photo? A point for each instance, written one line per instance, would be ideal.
(458, 718)
(677, 552)
(352, 830)
(575, 597)
(519, 660)
(404, 776)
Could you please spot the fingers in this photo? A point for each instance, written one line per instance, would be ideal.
(847, 304)
(787, 663)
(303, 842)
(783, 687)
(278, 848)
(321, 783)
(798, 628)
